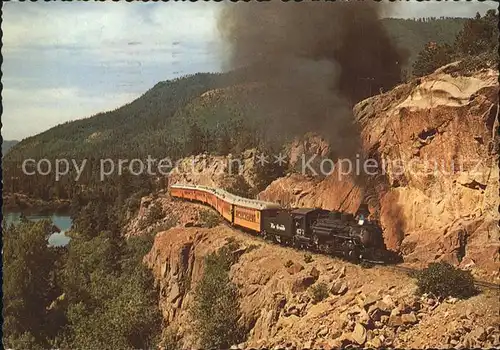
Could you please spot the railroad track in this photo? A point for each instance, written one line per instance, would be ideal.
(369, 263)
(487, 285)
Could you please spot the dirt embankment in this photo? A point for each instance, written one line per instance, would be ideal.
(364, 307)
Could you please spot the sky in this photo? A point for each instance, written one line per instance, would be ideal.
(70, 60)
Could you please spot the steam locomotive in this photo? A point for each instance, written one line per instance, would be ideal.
(345, 235)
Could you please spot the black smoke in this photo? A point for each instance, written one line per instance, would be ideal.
(315, 60)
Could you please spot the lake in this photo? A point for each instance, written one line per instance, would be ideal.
(62, 222)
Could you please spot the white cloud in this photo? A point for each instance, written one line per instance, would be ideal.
(111, 29)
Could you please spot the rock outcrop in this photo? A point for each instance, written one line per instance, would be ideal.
(215, 171)
(434, 181)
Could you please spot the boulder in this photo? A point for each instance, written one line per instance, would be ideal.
(295, 268)
(378, 310)
(314, 273)
(395, 321)
(302, 283)
(338, 288)
(388, 301)
(359, 334)
(375, 342)
(369, 301)
(409, 318)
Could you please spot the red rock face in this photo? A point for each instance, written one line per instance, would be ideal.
(435, 143)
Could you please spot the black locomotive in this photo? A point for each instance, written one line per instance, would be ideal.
(350, 236)
(332, 232)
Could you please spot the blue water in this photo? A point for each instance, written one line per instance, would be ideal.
(62, 222)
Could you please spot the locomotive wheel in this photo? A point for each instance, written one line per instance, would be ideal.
(323, 248)
(264, 235)
(354, 255)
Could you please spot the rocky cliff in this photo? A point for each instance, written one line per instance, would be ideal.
(434, 172)
(364, 307)
(215, 171)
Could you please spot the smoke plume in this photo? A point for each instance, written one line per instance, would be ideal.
(315, 60)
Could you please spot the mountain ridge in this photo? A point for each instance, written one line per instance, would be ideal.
(126, 130)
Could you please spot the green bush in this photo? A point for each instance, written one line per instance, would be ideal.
(170, 340)
(319, 292)
(431, 58)
(209, 218)
(154, 214)
(166, 225)
(216, 308)
(289, 263)
(239, 187)
(308, 258)
(443, 280)
(476, 46)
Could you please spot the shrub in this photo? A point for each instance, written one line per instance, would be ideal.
(308, 258)
(232, 244)
(289, 263)
(319, 292)
(216, 308)
(252, 247)
(168, 222)
(443, 280)
(155, 213)
(209, 218)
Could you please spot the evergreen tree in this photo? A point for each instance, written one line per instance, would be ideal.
(431, 58)
(28, 284)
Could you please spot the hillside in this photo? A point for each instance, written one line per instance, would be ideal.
(279, 307)
(413, 35)
(136, 128)
(7, 145)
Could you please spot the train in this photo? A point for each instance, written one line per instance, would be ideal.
(349, 236)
